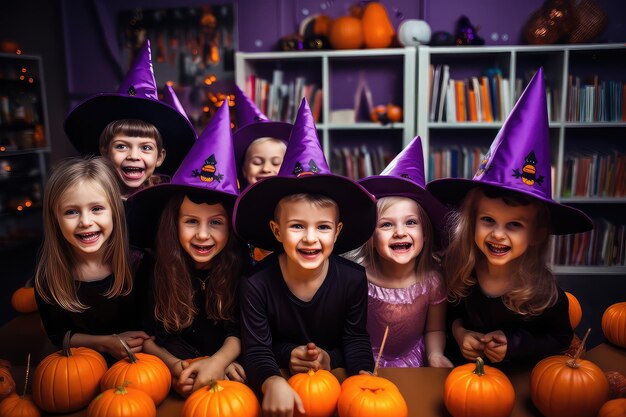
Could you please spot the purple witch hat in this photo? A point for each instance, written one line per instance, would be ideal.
(208, 170)
(252, 124)
(404, 177)
(304, 170)
(170, 98)
(136, 99)
(519, 160)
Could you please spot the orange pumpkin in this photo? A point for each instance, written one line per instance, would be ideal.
(617, 384)
(364, 395)
(7, 384)
(322, 24)
(564, 386)
(394, 113)
(23, 300)
(346, 32)
(377, 29)
(613, 408)
(122, 401)
(224, 399)
(18, 406)
(318, 390)
(143, 371)
(614, 324)
(68, 380)
(474, 390)
(575, 310)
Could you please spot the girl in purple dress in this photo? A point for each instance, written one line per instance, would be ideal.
(406, 291)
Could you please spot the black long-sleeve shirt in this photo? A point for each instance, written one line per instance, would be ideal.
(274, 321)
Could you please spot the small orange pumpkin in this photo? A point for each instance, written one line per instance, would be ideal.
(346, 32)
(365, 395)
(575, 310)
(614, 324)
(68, 380)
(19, 405)
(564, 386)
(143, 371)
(318, 390)
(224, 399)
(478, 390)
(122, 401)
(613, 408)
(394, 113)
(23, 300)
(378, 31)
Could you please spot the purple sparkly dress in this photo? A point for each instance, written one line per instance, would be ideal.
(405, 311)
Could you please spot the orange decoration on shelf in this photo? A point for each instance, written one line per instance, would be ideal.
(575, 310)
(23, 300)
(378, 32)
(318, 390)
(478, 390)
(614, 324)
(564, 386)
(346, 32)
(143, 371)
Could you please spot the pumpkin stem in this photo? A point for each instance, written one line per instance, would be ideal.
(572, 362)
(480, 367)
(122, 388)
(214, 386)
(67, 351)
(311, 372)
(131, 356)
(27, 373)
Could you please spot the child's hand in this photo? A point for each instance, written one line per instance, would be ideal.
(308, 357)
(134, 340)
(279, 399)
(202, 372)
(495, 346)
(471, 344)
(182, 387)
(438, 360)
(235, 372)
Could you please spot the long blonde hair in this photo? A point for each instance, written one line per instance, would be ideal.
(54, 280)
(368, 257)
(534, 285)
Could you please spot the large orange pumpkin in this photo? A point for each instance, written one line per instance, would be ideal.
(346, 32)
(143, 371)
(122, 401)
(613, 408)
(575, 310)
(224, 399)
(367, 395)
(478, 390)
(23, 300)
(614, 324)
(564, 386)
(377, 29)
(318, 390)
(68, 380)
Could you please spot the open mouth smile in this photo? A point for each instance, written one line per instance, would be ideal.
(309, 253)
(133, 173)
(498, 250)
(202, 249)
(90, 237)
(400, 247)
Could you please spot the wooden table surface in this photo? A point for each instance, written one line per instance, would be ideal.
(422, 388)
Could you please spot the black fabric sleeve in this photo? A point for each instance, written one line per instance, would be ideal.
(357, 347)
(56, 321)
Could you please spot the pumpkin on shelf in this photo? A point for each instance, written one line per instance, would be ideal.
(7, 384)
(20, 405)
(145, 372)
(575, 310)
(346, 32)
(122, 401)
(564, 386)
(318, 390)
(69, 379)
(23, 300)
(478, 390)
(224, 399)
(613, 408)
(378, 32)
(364, 395)
(614, 324)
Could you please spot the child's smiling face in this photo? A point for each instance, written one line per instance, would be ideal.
(399, 236)
(135, 159)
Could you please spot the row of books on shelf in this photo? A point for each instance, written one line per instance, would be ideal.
(605, 245)
(595, 100)
(280, 100)
(359, 162)
(594, 175)
(455, 162)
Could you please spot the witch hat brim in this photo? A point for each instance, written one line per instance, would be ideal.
(85, 123)
(259, 202)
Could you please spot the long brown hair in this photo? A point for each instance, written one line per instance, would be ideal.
(54, 280)
(425, 263)
(534, 287)
(173, 286)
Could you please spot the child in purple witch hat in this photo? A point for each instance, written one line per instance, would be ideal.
(406, 290)
(259, 143)
(508, 305)
(191, 305)
(132, 128)
(304, 307)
